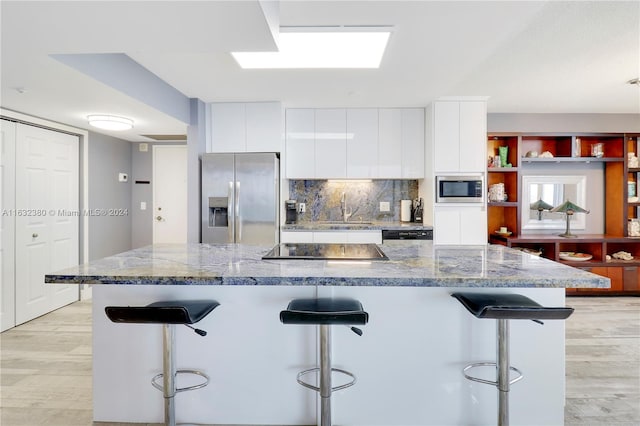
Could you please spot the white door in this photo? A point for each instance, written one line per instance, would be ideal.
(47, 220)
(169, 194)
(7, 224)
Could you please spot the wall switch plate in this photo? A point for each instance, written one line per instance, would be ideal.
(385, 206)
(123, 177)
(302, 207)
(143, 205)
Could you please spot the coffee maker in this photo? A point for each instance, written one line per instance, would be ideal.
(291, 211)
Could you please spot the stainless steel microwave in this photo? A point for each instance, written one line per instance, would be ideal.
(460, 189)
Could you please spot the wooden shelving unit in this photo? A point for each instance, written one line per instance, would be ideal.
(524, 155)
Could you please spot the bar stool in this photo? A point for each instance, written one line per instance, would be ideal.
(325, 312)
(167, 313)
(505, 307)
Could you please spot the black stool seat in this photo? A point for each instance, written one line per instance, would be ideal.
(167, 312)
(509, 306)
(324, 311)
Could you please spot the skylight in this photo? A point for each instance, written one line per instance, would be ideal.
(329, 47)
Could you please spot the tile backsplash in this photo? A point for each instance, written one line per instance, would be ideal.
(322, 198)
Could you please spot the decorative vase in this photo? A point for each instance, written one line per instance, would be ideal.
(503, 151)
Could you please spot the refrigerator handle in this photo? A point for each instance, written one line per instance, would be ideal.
(231, 216)
(238, 216)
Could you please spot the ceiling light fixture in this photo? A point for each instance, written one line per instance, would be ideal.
(322, 47)
(110, 122)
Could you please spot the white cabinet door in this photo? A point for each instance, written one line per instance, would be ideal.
(263, 126)
(473, 225)
(362, 143)
(473, 136)
(330, 237)
(296, 237)
(465, 225)
(446, 138)
(413, 143)
(390, 143)
(7, 224)
(227, 127)
(47, 180)
(368, 236)
(300, 145)
(331, 143)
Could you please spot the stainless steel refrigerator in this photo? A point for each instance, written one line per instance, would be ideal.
(240, 198)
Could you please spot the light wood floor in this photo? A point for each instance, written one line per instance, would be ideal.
(46, 366)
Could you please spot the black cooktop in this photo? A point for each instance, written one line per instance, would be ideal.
(320, 251)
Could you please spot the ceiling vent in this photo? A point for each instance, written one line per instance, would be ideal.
(166, 137)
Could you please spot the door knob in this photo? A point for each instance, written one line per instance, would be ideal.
(34, 235)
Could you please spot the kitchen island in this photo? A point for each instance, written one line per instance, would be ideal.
(408, 362)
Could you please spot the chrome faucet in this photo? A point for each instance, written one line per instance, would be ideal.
(346, 211)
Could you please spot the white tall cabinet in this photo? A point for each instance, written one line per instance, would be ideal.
(458, 137)
(40, 219)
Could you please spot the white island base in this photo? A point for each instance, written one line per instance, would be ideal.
(408, 363)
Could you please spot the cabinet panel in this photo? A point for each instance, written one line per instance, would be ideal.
(374, 237)
(413, 143)
(473, 131)
(446, 225)
(263, 127)
(296, 237)
(362, 143)
(390, 143)
(446, 146)
(300, 124)
(330, 237)
(330, 143)
(227, 127)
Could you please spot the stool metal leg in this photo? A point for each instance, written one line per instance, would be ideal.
(169, 375)
(325, 375)
(503, 371)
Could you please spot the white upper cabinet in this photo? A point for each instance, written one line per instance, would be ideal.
(459, 135)
(244, 127)
(390, 145)
(413, 143)
(356, 143)
(362, 143)
(300, 143)
(473, 136)
(331, 143)
(263, 126)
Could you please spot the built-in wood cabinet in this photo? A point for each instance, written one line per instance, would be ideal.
(608, 151)
(358, 143)
(244, 127)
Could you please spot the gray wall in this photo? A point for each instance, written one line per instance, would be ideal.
(142, 170)
(586, 123)
(109, 233)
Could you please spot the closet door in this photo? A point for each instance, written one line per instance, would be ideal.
(7, 224)
(47, 224)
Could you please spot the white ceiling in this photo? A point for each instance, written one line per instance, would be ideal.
(548, 57)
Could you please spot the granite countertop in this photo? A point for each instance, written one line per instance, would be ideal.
(411, 263)
(354, 226)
